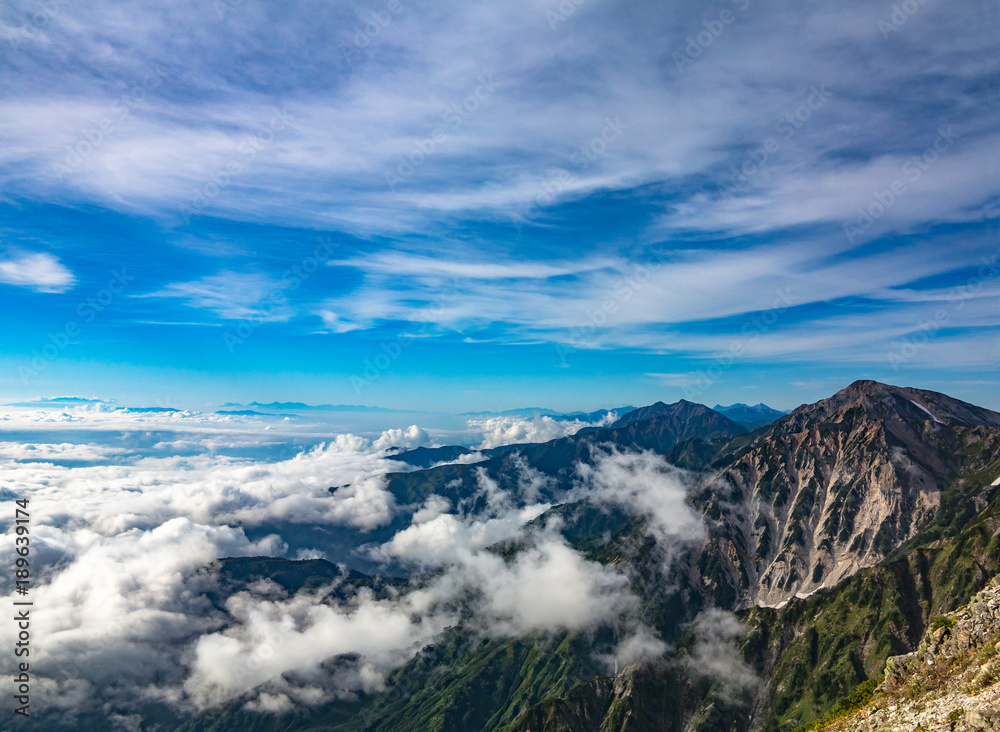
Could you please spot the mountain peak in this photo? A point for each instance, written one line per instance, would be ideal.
(865, 384)
(890, 403)
(682, 409)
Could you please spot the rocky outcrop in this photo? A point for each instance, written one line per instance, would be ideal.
(951, 682)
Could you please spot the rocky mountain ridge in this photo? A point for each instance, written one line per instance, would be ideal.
(951, 682)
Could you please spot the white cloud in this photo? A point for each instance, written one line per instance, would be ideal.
(438, 539)
(303, 554)
(271, 638)
(58, 451)
(680, 127)
(233, 296)
(637, 305)
(410, 265)
(40, 272)
(122, 608)
(499, 431)
(335, 324)
(716, 655)
(644, 483)
(364, 505)
(412, 436)
(121, 548)
(550, 586)
(547, 586)
(468, 459)
(643, 643)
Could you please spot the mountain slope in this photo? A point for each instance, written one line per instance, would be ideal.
(838, 485)
(811, 652)
(659, 409)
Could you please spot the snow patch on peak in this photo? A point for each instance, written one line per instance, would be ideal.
(926, 410)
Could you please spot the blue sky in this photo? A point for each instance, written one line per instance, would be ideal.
(453, 206)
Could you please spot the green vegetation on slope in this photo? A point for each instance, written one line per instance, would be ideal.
(461, 683)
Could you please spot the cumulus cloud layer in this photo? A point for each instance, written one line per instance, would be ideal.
(412, 436)
(122, 544)
(646, 485)
(546, 586)
(499, 431)
(271, 638)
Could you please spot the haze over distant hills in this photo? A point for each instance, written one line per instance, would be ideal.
(59, 401)
(299, 406)
(750, 417)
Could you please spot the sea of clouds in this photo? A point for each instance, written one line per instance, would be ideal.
(130, 510)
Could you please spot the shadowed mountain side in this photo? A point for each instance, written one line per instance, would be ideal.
(659, 409)
(425, 457)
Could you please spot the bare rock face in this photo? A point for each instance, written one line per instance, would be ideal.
(837, 486)
(952, 682)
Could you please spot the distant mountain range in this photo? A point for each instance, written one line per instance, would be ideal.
(691, 427)
(751, 417)
(82, 401)
(244, 413)
(59, 401)
(300, 407)
(747, 416)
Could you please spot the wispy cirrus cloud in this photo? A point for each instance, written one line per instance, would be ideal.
(554, 89)
(420, 266)
(232, 296)
(551, 166)
(622, 303)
